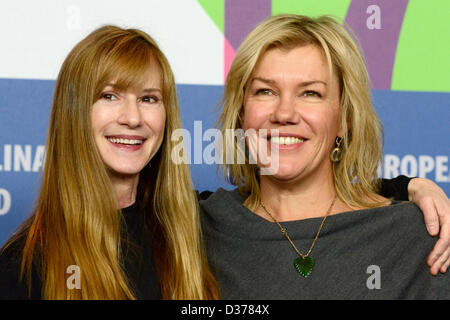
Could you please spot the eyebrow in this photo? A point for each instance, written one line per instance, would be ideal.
(149, 90)
(146, 90)
(301, 84)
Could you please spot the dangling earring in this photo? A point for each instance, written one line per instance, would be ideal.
(336, 154)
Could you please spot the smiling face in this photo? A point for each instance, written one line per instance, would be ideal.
(289, 90)
(128, 125)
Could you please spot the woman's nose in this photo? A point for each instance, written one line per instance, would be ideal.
(285, 111)
(130, 114)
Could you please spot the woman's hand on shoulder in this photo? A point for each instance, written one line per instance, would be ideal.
(435, 205)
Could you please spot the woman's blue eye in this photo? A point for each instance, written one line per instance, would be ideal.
(311, 93)
(265, 92)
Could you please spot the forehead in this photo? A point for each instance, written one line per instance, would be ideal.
(146, 77)
(129, 63)
(305, 62)
(152, 76)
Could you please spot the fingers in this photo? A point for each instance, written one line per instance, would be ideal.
(439, 258)
(445, 265)
(431, 215)
(440, 262)
(435, 205)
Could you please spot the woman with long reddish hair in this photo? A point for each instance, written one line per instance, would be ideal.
(112, 203)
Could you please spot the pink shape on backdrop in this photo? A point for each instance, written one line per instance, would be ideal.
(229, 56)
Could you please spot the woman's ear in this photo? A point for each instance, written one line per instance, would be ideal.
(345, 125)
(341, 129)
(241, 116)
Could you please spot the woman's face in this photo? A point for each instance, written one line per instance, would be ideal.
(128, 125)
(289, 90)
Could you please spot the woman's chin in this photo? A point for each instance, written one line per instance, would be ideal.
(282, 174)
(125, 171)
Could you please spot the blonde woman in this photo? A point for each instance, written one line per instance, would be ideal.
(106, 211)
(315, 228)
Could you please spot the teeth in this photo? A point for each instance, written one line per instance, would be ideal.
(125, 141)
(286, 140)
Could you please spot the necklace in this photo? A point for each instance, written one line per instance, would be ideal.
(304, 263)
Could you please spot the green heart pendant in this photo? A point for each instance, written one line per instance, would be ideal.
(304, 265)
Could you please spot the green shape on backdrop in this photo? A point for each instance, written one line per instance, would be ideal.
(216, 11)
(423, 51)
(216, 8)
(421, 62)
(311, 8)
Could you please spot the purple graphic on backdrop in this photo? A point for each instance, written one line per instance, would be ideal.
(377, 25)
(242, 16)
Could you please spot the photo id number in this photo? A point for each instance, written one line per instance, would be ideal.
(248, 309)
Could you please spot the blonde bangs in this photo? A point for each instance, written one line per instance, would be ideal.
(356, 175)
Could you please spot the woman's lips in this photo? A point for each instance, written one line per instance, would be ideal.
(286, 141)
(286, 146)
(126, 142)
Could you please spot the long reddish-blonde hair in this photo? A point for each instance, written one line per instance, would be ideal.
(76, 221)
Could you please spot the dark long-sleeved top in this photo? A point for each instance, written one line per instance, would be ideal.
(138, 261)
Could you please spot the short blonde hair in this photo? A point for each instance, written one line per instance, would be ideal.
(362, 138)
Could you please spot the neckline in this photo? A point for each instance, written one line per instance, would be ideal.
(131, 208)
(236, 192)
(229, 215)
